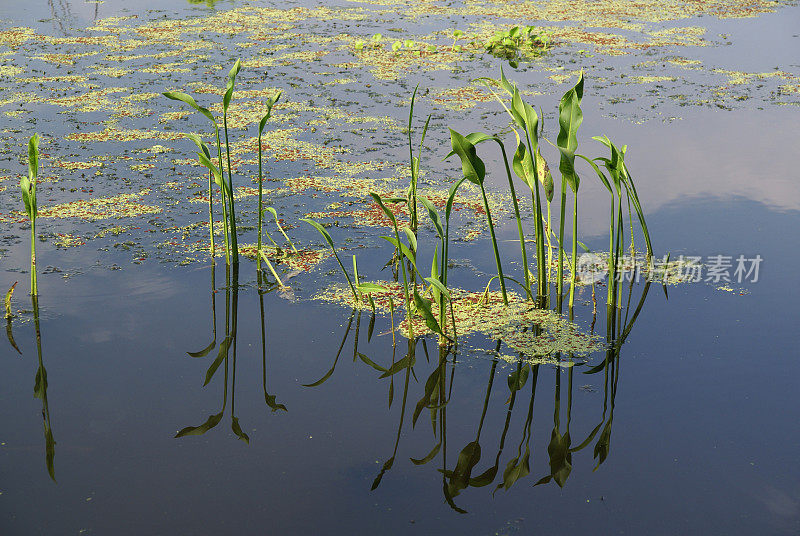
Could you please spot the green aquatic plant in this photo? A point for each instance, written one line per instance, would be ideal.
(326, 235)
(231, 240)
(517, 43)
(218, 177)
(270, 103)
(404, 251)
(212, 178)
(477, 137)
(530, 167)
(226, 101)
(28, 186)
(570, 117)
(280, 228)
(474, 171)
(414, 161)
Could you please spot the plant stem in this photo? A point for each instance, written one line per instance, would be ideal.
(518, 217)
(212, 249)
(560, 283)
(234, 239)
(224, 198)
(260, 206)
(494, 245)
(34, 288)
(574, 250)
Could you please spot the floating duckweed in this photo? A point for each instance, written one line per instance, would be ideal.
(522, 327)
(119, 206)
(462, 98)
(65, 241)
(76, 165)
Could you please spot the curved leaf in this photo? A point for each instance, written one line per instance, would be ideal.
(472, 166)
(570, 118)
(188, 99)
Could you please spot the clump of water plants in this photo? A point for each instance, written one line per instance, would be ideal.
(217, 171)
(517, 44)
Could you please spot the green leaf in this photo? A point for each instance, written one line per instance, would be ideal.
(472, 166)
(545, 177)
(187, 99)
(412, 239)
(206, 161)
(371, 287)
(200, 144)
(403, 249)
(474, 138)
(270, 103)
(33, 158)
(389, 214)
(523, 166)
(451, 197)
(424, 308)
(433, 214)
(226, 100)
(439, 286)
(570, 118)
(328, 239)
(599, 172)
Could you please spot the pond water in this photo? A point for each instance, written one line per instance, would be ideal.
(313, 418)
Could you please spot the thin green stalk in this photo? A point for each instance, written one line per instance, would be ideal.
(34, 287)
(234, 239)
(494, 245)
(28, 187)
(612, 262)
(549, 243)
(260, 202)
(574, 250)
(326, 235)
(537, 203)
(560, 283)
(517, 216)
(224, 197)
(212, 248)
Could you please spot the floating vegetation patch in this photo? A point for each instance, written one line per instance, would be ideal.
(116, 207)
(64, 241)
(523, 328)
(462, 98)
